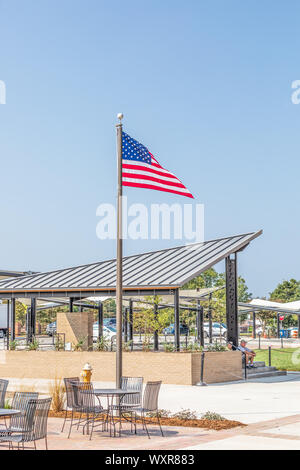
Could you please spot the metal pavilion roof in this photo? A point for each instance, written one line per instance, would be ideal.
(162, 270)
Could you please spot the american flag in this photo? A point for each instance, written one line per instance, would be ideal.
(141, 170)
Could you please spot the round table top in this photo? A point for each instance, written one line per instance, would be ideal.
(114, 391)
(6, 412)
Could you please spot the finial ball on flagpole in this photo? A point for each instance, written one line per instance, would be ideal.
(120, 116)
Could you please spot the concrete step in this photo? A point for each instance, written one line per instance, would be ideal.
(274, 373)
(260, 363)
(256, 370)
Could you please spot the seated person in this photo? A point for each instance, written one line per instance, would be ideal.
(249, 354)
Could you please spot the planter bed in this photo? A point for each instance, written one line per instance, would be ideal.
(216, 425)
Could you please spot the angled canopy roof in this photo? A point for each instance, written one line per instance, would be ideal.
(262, 304)
(161, 270)
(4, 274)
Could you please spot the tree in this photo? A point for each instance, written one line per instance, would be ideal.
(267, 319)
(211, 278)
(109, 307)
(148, 322)
(21, 310)
(207, 279)
(286, 291)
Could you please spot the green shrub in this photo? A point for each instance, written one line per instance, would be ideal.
(211, 416)
(160, 413)
(185, 415)
(13, 345)
(34, 345)
(7, 405)
(169, 347)
(102, 344)
(127, 346)
(216, 347)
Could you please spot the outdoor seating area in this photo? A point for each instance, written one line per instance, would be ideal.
(107, 412)
(25, 419)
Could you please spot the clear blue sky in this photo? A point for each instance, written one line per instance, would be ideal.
(206, 85)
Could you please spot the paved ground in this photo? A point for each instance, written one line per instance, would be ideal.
(270, 407)
(283, 433)
(249, 402)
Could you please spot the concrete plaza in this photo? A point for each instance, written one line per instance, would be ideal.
(270, 407)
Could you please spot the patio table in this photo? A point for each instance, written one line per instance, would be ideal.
(6, 412)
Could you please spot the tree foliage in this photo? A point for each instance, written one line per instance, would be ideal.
(286, 291)
(217, 303)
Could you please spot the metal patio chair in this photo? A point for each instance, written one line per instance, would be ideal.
(71, 401)
(150, 404)
(34, 425)
(3, 388)
(90, 408)
(19, 402)
(129, 402)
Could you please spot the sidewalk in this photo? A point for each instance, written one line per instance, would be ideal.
(270, 407)
(248, 402)
(283, 433)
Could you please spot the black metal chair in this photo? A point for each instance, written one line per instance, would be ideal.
(42, 408)
(71, 402)
(90, 408)
(129, 402)
(19, 402)
(3, 388)
(34, 425)
(132, 384)
(150, 405)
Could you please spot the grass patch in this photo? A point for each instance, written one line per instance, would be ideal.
(283, 359)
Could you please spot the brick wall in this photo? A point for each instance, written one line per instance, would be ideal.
(76, 326)
(223, 366)
(171, 368)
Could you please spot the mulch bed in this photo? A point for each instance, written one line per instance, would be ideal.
(216, 425)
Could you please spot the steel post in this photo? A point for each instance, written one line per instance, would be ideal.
(176, 320)
(231, 300)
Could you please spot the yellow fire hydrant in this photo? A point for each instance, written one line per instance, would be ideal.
(86, 373)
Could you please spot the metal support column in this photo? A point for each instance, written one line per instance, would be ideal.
(131, 321)
(13, 320)
(155, 339)
(7, 334)
(278, 326)
(254, 324)
(100, 321)
(28, 325)
(200, 317)
(71, 301)
(210, 320)
(231, 300)
(126, 325)
(176, 320)
(33, 318)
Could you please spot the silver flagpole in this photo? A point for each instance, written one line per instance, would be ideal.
(119, 257)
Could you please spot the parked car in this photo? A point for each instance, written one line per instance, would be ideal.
(218, 329)
(109, 333)
(110, 322)
(170, 330)
(51, 329)
(3, 320)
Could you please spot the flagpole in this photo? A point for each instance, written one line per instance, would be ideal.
(119, 257)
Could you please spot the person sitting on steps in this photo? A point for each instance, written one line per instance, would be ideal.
(249, 354)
